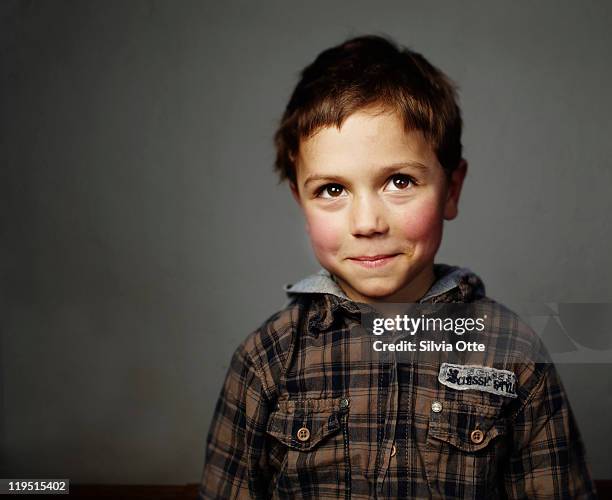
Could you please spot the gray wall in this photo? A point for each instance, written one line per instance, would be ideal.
(144, 235)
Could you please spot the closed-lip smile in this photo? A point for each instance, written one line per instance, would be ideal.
(370, 261)
(374, 257)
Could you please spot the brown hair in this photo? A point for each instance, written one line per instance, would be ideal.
(370, 71)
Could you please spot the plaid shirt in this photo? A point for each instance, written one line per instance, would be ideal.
(301, 415)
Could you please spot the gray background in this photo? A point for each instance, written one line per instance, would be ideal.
(144, 235)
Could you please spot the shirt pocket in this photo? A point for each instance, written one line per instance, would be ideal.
(465, 446)
(314, 435)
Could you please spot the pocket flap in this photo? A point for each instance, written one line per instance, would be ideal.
(469, 427)
(302, 425)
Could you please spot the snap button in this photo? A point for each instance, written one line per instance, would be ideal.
(477, 436)
(393, 450)
(303, 434)
(344, 403)
(436, 407)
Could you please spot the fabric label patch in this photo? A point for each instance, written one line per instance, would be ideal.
(480, 378)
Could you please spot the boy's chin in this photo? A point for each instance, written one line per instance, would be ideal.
(373, 291)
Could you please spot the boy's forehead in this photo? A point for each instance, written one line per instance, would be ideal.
(365, 139)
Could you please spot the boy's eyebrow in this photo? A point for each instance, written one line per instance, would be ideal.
(386, 170)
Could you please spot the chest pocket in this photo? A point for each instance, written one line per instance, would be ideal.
(465, 445)
(313, 433)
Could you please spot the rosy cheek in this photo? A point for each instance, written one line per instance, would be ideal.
(325, 233)
(423, 223)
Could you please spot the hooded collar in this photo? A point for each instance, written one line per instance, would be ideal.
(453, 284)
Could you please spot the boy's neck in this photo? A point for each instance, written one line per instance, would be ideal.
(412, 292)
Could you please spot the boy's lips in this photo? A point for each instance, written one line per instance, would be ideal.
(370, 261)
(374, 257)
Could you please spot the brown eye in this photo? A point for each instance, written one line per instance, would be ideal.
(332, 191)
(400, 182)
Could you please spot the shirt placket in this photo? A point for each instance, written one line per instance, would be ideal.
(389, 386)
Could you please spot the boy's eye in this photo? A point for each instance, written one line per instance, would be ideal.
(399, 182)
(331, 191)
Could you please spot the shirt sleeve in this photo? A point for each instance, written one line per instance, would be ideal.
(548, 456)
(236, 462)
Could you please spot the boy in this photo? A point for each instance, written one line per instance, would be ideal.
(370, 143)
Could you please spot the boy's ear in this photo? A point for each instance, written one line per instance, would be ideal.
(451, 208)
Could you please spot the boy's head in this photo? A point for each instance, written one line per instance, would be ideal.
(370, 143)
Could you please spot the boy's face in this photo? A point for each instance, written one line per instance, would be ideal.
(374, 198)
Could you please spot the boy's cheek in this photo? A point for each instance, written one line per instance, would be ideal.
(423, 223)
(325, 234)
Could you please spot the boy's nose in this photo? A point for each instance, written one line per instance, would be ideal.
(367, 217)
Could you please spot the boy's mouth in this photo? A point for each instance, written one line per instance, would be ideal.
(370, 261)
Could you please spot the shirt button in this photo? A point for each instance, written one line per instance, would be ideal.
(393, 450)
(436, 407)
(477, 436)
(344, 403)
(303, 434)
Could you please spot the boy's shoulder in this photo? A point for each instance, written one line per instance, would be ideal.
(269, 347)
(514, 334)
(310, 303)
(511, 342)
